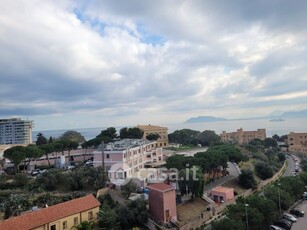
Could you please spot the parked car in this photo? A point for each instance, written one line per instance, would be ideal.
(35, 172)
(273, 227)
(285, 224)
(70, 167)
(297, 212)
(289, 217)
(89, 163)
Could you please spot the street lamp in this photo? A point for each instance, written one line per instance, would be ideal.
(246, 205)
(279, 198)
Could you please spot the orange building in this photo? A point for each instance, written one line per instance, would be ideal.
(56, 217)
(162, 202)
(297, 142)
(243, 137)
(162, 131)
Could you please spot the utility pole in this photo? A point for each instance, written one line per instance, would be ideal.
(279, 198)
(246, 205)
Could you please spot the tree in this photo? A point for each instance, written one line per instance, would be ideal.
(237, 213)
(85, 225)
(133, 133)
(272, 193)
(153, 136)
(32, 153)
(264, 170)
(293, 185)
(50, 140)
(247, 179)
(107, 218)
(279, 138)
(184, 137)
(72, 136)
(72, 145)
(265, 206)
(133, 215)
(256, 142)
(109, 132)
(228, 224)
(129, 188)
(303, 177)
(270, 142)
(191, 182)
(41, 140)
(178, 162)
(281, 156)
(50, 180)
(208, 138)
(16, 155)
(58, 147)
(303, 164)
(47, 148)
(123, 133)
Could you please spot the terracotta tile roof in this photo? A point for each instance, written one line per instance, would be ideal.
(46, 215)
(161, 187)
(221, 189)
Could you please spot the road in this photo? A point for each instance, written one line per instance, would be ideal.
(291, 165)
(233, 173)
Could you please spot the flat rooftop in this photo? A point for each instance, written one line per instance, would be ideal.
(222, 189)
(125, 143)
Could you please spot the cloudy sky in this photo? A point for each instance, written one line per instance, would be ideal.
(100, 63)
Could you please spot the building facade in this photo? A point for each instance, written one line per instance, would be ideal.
(243, 137)
(162, 202)
(15, 131)
(126, 158)
(222, 194)
(162, 131)
(297, 142)
(63, 216)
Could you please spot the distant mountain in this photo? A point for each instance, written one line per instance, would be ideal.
(276, 115)
(204, 119)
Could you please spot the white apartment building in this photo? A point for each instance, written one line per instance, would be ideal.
(127, 158)
(15, 131)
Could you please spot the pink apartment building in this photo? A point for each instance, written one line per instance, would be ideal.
(162, 202)
(128, 158)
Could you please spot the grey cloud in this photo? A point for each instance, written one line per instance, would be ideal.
(59, 64)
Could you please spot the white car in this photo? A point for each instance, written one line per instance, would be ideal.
(289, 217)
(70, 167)
(273, 227)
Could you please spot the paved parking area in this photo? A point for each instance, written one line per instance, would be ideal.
(301, 223)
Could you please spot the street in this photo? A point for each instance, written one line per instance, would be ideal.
(291, 165)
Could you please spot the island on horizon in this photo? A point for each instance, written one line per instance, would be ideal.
(204, 119)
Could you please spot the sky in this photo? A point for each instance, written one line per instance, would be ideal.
(100, 63)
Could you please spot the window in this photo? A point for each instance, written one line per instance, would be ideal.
(65, 225)
(53, 227)
(90, 215)
(76, 222)
(108, 155)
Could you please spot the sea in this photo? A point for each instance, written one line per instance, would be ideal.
(281, 127)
